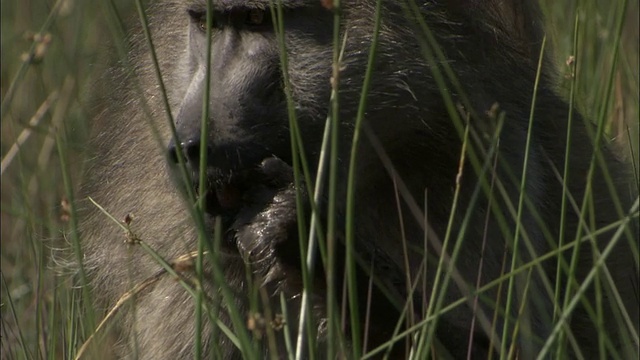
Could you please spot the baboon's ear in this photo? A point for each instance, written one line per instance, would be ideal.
(518, 22)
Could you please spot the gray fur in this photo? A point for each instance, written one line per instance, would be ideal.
(491, 46)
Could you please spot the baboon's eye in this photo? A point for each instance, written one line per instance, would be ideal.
(199, 18)
(256, 17)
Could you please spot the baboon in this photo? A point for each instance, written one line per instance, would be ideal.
(441, 192)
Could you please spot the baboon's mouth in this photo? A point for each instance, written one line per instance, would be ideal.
(226, 195)
(237, 196)
(229, 192)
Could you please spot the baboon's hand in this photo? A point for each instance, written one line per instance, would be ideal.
(268, 221)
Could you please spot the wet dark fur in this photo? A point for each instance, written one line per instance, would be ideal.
(491, 46)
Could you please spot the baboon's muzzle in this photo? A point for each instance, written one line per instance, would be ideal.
(236, 175)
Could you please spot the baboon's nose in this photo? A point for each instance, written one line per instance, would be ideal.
(190, 150)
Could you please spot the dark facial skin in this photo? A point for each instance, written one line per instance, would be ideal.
(409, 146)
(247, 105)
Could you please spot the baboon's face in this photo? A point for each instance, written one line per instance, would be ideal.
(248, 120)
